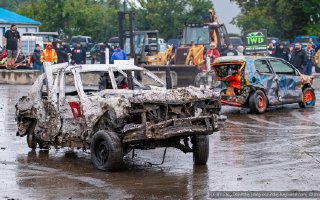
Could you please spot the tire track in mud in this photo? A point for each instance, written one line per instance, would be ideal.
(257, 118)
(274, 128)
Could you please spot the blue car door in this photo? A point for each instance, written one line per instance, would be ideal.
(289, 81)
(264, 77)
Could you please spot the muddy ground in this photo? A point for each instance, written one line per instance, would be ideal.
(278, 150)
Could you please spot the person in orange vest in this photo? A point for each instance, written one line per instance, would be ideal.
(49, 54)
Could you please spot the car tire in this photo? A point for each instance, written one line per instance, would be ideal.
(31, 140)
(308, 99)
(106, 151)
(200, 149)
(258, 102)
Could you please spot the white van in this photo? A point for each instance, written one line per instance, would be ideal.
(29, 44)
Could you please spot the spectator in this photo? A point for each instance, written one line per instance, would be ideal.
(282, 52)
(271, 50)
(10, 42)
(78, 55)
(240, 50)
(118, 54)
(213, 52)
(37, 64)
(310, 59)
(298, 57)
(63, 52)
(49, 54)
(230, 51)
(55, 44)
(317, 61)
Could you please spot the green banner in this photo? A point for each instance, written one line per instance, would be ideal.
(256, 41)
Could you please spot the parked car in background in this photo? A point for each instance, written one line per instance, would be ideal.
(274, 40)
(236, 41)
(114, 41)
(46, 37)
(258, 83)
(305, 39)
(95, 52)
(86, 42)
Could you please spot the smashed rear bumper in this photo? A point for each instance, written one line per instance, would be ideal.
(183, 127)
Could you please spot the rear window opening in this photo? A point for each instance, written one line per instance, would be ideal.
(226, 70)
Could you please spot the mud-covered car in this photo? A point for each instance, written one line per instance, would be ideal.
(65, 108)
(258, 82)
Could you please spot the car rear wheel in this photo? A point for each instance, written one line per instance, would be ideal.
(258, 102)
(106, 151)
(309, 98)
(200, 149)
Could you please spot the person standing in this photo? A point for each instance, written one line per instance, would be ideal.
(37, 64)
(78, 55)
(281, 52)
(271, 49)
(310, 59)
(10, 42)
(49, 54)
(230, 51)
(118, 54)
(298, 57)
(63, 52)
(213, 52)
(317, 61)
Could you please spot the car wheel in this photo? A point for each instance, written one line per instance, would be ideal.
(258, 102)
(106, 151)
(200, 149)
(309, 98)
(31, 140)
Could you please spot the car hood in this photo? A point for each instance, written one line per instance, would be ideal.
(118, 101)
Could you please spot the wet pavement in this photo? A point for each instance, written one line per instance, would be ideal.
(278, 150)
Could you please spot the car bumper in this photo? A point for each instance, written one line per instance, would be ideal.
(183, 127)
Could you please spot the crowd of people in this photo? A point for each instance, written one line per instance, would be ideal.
(59, 52)
(303, 59)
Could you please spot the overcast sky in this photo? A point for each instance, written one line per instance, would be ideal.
(226, 11)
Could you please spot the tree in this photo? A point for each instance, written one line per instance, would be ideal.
(169, 16)
(282, 18)
(74, 17)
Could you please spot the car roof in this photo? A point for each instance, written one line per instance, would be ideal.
(118, 65)
(228, 59)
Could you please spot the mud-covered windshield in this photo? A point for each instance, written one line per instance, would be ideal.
(142, 79)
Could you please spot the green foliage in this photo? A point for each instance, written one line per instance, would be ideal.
(169, 16)
(98, 18)
(282, 18)
(74, 17)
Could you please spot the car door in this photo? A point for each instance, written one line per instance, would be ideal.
(266, 79)
(289, 81)
(73, 122)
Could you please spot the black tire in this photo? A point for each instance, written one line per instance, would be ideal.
(308, 99)
(31, 140)
(106, 151)
(258, 102)
(200, 149)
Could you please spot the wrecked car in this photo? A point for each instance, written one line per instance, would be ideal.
(127, 108)
(258, 83)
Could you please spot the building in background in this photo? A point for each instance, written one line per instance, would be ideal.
(24, 24)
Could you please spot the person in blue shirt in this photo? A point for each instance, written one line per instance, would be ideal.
(118, 54)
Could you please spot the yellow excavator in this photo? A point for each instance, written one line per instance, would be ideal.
(186, 59)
